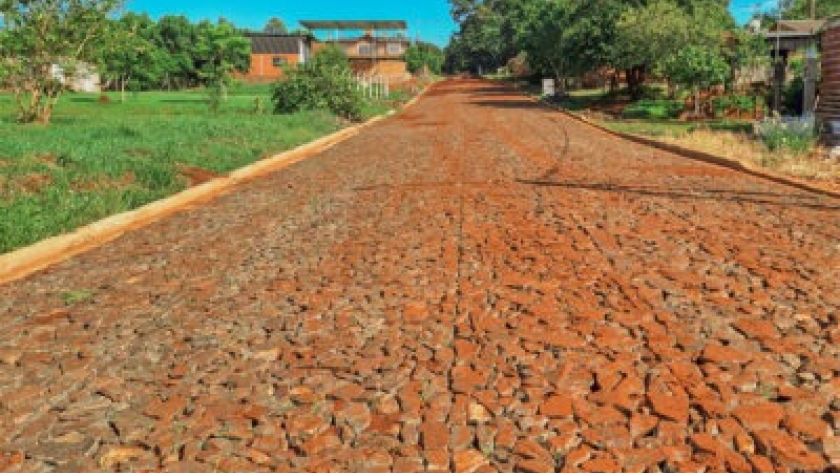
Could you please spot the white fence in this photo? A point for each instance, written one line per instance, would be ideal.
(374, 86)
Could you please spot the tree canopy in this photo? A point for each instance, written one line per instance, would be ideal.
(564, 38)
(44, 43)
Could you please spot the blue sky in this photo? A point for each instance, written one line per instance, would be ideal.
(743, 9)
(428, 19)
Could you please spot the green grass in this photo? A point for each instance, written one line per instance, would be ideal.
(578, 100)
(655, 128)
(99, 159)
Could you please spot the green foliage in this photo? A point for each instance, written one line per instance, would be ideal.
(653, 109)
(426, 55)
(324, 83)
(736, 103)
(696, 67)
(40, 35)
(221, 51)
(129, 57)
(801, 9)
(564, 38)
(275, 26)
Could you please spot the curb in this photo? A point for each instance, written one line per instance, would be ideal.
(703, 157)
(25, 261)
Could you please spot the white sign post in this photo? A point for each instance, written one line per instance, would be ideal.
(548, 88)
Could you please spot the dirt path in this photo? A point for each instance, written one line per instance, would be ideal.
(475, 285)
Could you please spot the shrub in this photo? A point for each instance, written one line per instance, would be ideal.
(325, 83)
(656, 109)
(797, 134)
(736, 103)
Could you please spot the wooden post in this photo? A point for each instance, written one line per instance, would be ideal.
(778, 83)
(809, 94)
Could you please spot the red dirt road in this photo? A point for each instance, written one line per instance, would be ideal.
(475, 285)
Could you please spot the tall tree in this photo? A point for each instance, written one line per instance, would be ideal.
(424, 55)
(178, 38)
(43, 44)
(130, 54)
(275, 26)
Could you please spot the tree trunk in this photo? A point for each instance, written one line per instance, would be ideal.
(635, 80)
(696, 103)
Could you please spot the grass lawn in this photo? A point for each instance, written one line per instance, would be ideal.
(99, 159)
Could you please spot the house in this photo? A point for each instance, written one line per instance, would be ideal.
(84, 78)
(374, 47)
(270, 52)
(787, 36)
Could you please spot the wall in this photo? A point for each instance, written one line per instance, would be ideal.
(829, 105)
(263, 69)
(384, 67)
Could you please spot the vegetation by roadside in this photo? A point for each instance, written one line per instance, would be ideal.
(780, 146)
(101, 157)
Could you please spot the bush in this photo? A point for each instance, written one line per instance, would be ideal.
(325, 83)
(656, 109)
(733, 103)
(797, 134)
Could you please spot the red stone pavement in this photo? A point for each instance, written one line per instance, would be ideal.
(478, 284)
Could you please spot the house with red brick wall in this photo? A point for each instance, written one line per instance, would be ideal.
(271, 52)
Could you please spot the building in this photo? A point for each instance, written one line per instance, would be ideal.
(374, 47)
(271, 52)
(84, 78)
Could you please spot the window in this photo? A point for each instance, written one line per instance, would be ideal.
(394, 49)
(365, 50)
(279, 61)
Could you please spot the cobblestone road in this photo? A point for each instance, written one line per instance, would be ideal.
(475, 285)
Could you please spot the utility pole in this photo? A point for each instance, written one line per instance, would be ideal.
(813, 9)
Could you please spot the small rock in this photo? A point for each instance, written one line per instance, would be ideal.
(117, 455)
(477, 414)
(468, 461)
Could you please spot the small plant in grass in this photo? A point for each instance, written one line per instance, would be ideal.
(76, 297)
(796, 134)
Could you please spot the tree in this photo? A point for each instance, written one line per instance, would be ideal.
(801, 9)
(179, 39)
(275, 26)
(129, 53)
(221, 50)
(43, 44)
(646, 34)
(427, 55)
(697, 68)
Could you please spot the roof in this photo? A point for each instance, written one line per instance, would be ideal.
(798, 26)
(363, 38)
(355, 24)
(269, 43)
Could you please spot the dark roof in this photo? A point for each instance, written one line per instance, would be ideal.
(355, 24)
(268, 43)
